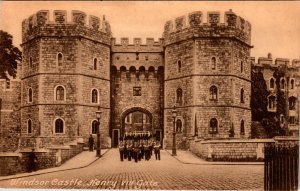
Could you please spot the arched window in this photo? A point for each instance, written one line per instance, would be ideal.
(94, 96)
(213, 126)
(29, 126)
(179, 66)
(242, 67)
(271, 102)
(292, 103)
(95, 63)
(30, 62)
(282, 84)
(60, 93)
(178, 126)
(94, 127)
(281, 119)
(7, 85)
(213, 91)
(272, 82)
(242, 127)
(59, 126)
(242, 96)
(179, 96)
(292, 84)
(213, 63)
(59, 59)
(29, 95)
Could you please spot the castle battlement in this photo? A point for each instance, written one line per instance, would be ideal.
(193, 25)
(137, 46)
(40, 24)
(268, 61)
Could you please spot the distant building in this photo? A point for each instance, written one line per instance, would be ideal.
(288, 84)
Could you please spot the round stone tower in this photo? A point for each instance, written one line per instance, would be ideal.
(65, 77)
(207, 77)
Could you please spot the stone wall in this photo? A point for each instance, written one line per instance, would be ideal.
(230, 150)
(17, 162)
(10, 114)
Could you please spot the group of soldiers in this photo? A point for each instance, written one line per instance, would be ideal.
(135, 149)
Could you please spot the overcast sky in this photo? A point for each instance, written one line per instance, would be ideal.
(275, 25)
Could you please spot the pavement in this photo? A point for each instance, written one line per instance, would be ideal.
(81, 160)
(188, 157)
(169, 173)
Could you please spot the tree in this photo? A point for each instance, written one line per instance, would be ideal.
(259, 96)
(9, 56)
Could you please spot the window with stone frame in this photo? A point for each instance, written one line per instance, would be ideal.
(292, 84)
(292, 103)
(271, 103)
(59, 126)
(95, 62)
(281, 118)
(292, 120)
(7, 84)
(242, 128)
(137, 91)
(282, 84)
(242, 67)
(178, 126)
(29, 126)
(179, 96)
(213, 126)
(179, 66)
(94, 96)
(272, 83)
(213, 91)
(30, 62)
(60, 59)
(242, 98)
(30, 95)
(94, 127)
(213, 63)
(60, 93)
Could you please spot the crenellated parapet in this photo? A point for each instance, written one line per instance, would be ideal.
(194, 26)
(270, 62)
(80, 25)
(137, 46)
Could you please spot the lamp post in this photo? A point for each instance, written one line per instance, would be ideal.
(98, 116)
(174, 114)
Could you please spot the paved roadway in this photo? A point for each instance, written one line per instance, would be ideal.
(168, 173)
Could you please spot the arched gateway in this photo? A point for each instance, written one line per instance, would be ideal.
(138, 123)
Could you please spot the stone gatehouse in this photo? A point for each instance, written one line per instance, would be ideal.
(202, 68)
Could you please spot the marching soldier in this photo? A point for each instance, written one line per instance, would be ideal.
(121, 150)
(146, 150)
(125, 150)
(129, 150)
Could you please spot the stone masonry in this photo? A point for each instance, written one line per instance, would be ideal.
(71, 69)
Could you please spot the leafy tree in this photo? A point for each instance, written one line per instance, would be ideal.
(9, 56)
(259, 98)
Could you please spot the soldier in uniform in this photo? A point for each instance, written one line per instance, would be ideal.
(141, 150)
(125, 150)
(121, 150)
(157, 150)
(129, 150)
(146, 150)
(136, 151)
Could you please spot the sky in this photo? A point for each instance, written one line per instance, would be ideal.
(275, 24)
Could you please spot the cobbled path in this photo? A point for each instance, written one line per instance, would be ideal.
(168, 173)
